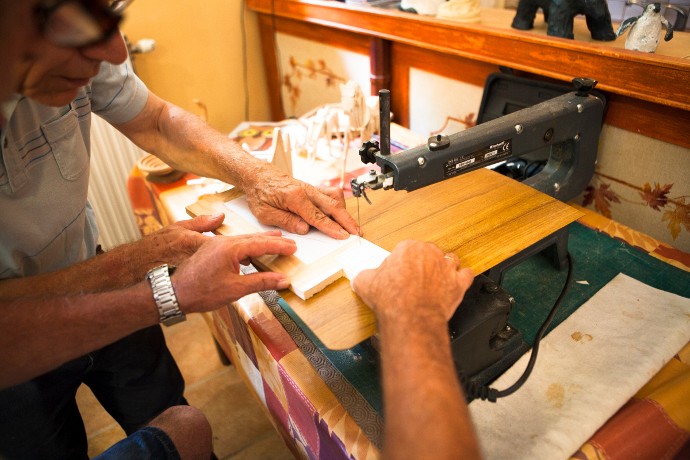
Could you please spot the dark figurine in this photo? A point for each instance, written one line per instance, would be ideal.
(559, 14)
(645, 29)
(527, 11)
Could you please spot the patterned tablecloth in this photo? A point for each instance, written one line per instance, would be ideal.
(328, 404)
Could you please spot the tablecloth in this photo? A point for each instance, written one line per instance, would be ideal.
(327, 405)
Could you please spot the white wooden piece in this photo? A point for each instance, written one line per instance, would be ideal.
(319, 260)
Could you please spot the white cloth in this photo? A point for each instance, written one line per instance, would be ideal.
(587, 368)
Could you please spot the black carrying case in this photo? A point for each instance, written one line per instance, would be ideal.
(506, 93)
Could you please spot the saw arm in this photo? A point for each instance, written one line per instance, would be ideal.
(568, 125)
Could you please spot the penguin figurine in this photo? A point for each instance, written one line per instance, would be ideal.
(645, 29)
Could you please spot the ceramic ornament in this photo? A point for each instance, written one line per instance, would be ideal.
(645, 29)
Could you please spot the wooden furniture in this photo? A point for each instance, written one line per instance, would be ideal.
(647, 93)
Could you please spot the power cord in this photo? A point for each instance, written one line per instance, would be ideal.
(520, 169)
(483, 392)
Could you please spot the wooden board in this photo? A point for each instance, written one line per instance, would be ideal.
(482, 216)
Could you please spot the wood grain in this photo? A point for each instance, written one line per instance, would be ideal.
(481, 216)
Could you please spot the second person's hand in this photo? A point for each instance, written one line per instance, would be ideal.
(211, 277)
(277, 199)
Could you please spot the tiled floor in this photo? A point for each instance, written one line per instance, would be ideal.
(241, 430)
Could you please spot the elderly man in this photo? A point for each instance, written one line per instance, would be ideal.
(44, 182)
(179, 432)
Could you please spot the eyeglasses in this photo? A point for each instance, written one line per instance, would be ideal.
(79, 23)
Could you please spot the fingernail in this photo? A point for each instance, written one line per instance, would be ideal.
(302, 228)
(217, 215)
(283, 284)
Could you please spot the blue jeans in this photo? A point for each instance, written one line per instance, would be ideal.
(134, 379)
(145, 444)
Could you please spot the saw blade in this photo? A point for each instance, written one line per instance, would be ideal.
(359, 222)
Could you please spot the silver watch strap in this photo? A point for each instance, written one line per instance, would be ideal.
(164, 295)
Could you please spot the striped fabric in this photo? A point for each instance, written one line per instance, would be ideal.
(654, 424)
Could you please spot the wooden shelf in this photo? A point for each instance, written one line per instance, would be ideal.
(661, 78)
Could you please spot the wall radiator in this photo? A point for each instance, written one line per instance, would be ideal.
(112, 158)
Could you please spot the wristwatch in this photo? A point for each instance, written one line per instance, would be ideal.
(164, 295)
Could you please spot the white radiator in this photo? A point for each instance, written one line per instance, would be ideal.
(112, 158)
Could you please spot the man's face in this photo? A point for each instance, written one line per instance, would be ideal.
(18, 35)
(54, 74)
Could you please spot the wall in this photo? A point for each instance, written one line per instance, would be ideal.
(643, 183)
(313, 72)
(198, 56)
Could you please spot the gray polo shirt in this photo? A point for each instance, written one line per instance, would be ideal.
(47, 222)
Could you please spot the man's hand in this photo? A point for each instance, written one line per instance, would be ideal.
(414, 293)
(172, 244)
(277, 199)
(120, 267)
(416, 281)
(187, 143)
(211, 277)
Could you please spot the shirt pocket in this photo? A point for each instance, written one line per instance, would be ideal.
(68, 145)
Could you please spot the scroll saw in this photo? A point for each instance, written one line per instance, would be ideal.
(568, 128)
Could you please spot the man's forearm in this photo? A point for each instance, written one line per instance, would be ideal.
(120, 267)
(39, 334)
(425, 410)
(115, 269)
(187, 143)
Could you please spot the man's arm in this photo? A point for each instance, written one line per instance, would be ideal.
(121, 267)
(185, 142)
(39, 334)
(414, 293)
